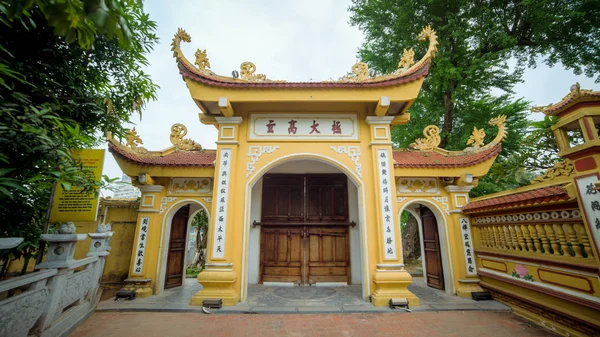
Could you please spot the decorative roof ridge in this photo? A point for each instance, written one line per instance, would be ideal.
(133, 143)
(360, 70)
(432, 139)
(575, 95)
(434, 159)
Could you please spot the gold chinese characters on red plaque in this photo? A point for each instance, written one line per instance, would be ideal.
(303, 126)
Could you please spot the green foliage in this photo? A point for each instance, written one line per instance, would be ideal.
(403, 220)
(484, 46)
(70, 71)
(192, 272)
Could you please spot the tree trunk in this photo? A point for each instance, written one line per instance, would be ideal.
(448, 118)
(411, 243)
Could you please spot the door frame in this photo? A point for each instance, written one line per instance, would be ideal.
(445, 251)
(357, 181)
(159, 284)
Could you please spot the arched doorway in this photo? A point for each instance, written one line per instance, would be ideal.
(433, 241)
(298, 251)
(174, 243)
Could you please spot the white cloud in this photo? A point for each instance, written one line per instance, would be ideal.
(292, 40)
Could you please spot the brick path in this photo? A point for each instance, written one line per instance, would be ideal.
(430, 324)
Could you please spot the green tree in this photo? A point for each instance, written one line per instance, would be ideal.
(484, 46)
(200, 223)
(70, 71)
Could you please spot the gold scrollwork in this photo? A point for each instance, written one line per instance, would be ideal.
(202, 59)
(408, 59)
(247, 70)
(178, 131)
(360, 72)
(431, 140)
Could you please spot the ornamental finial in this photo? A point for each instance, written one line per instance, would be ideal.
(430, 141)
(178, 131)
(134, 141)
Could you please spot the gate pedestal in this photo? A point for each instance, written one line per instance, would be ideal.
(390, 283)
(217, 283)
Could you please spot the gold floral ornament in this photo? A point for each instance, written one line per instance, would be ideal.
(407, 60)
(134, 141)
(561, 169)
(178, 131)
(202, 60)
(432, 139)
(476, 138)
(360, 72)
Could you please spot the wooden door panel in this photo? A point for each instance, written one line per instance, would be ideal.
(328, 255)
(281, 254)
(431, 246)
(177, 247)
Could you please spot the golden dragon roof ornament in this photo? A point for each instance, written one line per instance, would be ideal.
(432, 139)
(247, 69)
(406, 65)
(576, 94)
(360, 70)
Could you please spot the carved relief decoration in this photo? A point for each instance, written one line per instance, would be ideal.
(163, 203)
(417, 185)
(77, 285)
(401, 199)
(443, 201)
(354, 153)
(254, 152)
(178, 131)
(134, 141)
(207, 199)
(190, 185)
(19, 313)
(561, 169)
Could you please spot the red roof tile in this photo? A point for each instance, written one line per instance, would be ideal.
(432, 159)
(193, 74)
(184, 158)
(538, 196)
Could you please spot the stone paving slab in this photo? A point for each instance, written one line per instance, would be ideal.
(273, 300)
(397, 324)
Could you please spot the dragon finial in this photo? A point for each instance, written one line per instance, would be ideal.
(181, 35)
(429, 34)
(247, 70)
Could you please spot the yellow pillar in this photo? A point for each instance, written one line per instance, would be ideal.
(390, 278)
(219, 278)
(146, 241)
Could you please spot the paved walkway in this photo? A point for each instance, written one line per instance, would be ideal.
(263, 299)
(397, 324)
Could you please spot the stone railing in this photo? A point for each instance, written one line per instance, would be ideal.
(60, 294)
(556, 235)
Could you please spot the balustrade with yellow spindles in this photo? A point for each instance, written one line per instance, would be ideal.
(554, 235)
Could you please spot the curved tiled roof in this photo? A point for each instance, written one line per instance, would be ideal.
(575, 95)
(433, 159)
(528, 198)
(188, 72)
(184, 158)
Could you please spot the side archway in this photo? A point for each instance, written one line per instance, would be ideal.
(442, 228)
(195, 207)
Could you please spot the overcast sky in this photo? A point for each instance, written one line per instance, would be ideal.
(286, 39)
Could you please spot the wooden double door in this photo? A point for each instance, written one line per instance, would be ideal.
(305, 229)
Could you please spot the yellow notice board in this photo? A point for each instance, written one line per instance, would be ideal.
(74, 205)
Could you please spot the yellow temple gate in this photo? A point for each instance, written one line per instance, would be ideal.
(305, 187)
